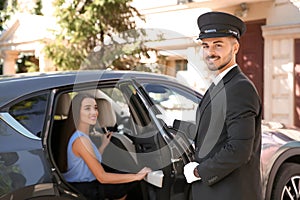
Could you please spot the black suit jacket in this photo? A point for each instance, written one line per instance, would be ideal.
(228, 141)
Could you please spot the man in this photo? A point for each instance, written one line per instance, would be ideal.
(228, 129)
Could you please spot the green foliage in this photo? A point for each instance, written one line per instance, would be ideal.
(10, 7)
(27, 63)
(37, 10)
(84, 24)
(7, 8)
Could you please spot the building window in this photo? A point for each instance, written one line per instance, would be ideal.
(184, 1)
(181, 65)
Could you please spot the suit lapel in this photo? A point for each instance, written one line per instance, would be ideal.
(211, 93)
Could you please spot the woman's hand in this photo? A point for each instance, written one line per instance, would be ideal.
(142, 173)
(105, 139)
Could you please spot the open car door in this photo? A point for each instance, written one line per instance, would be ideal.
(164, 149)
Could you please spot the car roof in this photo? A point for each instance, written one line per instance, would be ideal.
(18, 85)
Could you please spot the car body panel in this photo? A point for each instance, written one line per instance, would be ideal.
(17, 162)
(280, 144)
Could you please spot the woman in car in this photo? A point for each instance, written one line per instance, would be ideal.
(84, 169)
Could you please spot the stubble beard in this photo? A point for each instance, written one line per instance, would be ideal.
(213, 67)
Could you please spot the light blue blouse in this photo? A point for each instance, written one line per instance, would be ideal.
(78, 171)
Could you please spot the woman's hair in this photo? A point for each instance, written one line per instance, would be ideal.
(70, 127)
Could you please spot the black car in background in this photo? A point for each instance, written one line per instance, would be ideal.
(147, 113)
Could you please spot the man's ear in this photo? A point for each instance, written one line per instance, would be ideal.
(236, 47)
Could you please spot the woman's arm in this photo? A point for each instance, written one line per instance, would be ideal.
(83, 148)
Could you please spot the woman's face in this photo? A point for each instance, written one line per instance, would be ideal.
(88, 111)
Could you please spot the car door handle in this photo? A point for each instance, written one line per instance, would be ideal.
(174, 160)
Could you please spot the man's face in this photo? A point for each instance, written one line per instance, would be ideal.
(219, 53)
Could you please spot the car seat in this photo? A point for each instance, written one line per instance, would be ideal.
(120, 153)
(60, 116)
(106, 114)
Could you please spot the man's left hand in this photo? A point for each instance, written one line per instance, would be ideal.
(188, 171)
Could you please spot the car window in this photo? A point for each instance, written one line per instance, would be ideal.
(31, 113)
(173, 102)
(131, 112)
(119, 103)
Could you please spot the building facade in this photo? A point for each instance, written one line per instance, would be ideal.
(269, 52)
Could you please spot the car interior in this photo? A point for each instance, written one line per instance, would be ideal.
(120, 155)
(134, 143)
(106, 122)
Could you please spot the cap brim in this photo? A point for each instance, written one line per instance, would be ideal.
(214, 35)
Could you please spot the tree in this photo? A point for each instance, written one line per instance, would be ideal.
(86, 24)
(7, 8)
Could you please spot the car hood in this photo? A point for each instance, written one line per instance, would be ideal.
(278, 134)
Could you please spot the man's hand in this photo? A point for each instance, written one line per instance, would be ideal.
(188, 171)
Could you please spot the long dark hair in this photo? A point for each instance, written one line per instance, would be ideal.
(70, 127)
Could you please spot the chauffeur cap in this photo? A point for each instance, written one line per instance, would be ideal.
(219, 24)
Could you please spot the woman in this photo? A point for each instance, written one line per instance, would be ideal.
(84, 169)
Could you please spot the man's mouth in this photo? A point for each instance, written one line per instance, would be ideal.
(212, 58)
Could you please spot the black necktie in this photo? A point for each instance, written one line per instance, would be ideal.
(208, 91)
(211, 87)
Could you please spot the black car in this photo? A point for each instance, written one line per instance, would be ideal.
(147, 114)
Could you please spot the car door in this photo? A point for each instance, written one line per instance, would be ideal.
(158, 144)
(144, 125)
(24, 169)
(177, 105)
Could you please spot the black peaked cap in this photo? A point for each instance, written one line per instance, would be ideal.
(219, 24)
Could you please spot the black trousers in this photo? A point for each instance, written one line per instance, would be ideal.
(96, 191)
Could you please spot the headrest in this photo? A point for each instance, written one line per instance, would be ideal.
(96, 93)
(107, 115)
(63, 105)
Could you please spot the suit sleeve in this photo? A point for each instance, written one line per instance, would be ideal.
(243, 108)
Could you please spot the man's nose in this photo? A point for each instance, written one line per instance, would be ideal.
(210, 50)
